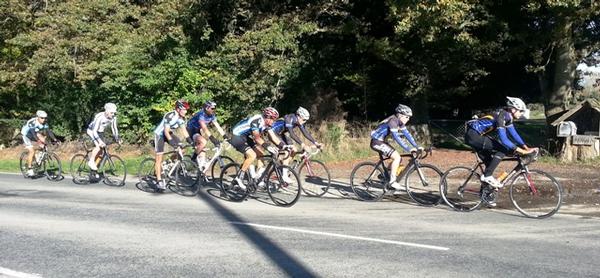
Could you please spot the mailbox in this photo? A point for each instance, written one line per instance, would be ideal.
(566, 129)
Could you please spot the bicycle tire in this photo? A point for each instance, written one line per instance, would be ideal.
(146, 176)
(460, 189)
(227, 183)
(368, 181)
(282, 193)
(23, 164)
(114, 171)
(218, 164)
(52, 167)
(315, 178)
(424, 188)
(544, 202)
(79, 170)
(185, 182)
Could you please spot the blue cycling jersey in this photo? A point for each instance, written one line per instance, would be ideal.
(32, 127)
(247, 125)
(288, 124)
(170, 119)
(194, 123)
(392, 125)
(501, 121)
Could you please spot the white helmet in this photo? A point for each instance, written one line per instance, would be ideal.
(303, 113)
(41, 114)
(110, 107)
(519, 104)
(516, 103)
(404, 110)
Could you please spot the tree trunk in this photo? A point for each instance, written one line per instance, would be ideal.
(563, 75)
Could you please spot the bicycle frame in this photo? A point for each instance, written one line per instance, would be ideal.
(519, 168)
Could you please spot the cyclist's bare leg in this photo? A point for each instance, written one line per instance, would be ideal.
(30, 153)
(158, 166)
(93, 155)
(200, 143)
(396, 159)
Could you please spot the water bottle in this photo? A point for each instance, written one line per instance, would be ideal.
(399, 170)
(502, 176)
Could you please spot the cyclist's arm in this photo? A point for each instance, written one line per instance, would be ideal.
(219, 128)
(51, 135)
(409, 137)
(514, 135)
(307, 135)
(167, 132)
(114, 128)
(204, 127)
(274, 138)
(257, 138)
(95, 127)
(398, 140)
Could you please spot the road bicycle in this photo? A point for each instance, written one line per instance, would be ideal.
(534, 193)
(314, 175)
(45, 163)
(111, 168)
(179, 173)
(282, 193)
(215, 163)
(370, 181)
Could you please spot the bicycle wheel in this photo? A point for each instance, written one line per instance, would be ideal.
(228, 185)
(114, 171)
(218, 164)
(460, 188)
(284, 194)
(422, 184)
(368, 181)
(52, 167)
(315, 178)
(536, 194)
(146, 176)
(79, 169)
(23, 163)
(186, 179)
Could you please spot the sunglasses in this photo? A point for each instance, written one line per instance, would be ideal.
(43, 118)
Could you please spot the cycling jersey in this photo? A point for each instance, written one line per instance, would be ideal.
(287, 125)
(32, 127)
(171, 119)
(100, 123)
(193, 124)
(500, 120)
(392, 125)
(250, 124)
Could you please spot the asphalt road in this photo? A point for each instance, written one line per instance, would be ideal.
(61, 229)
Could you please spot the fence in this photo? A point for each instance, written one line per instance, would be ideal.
(450, 133)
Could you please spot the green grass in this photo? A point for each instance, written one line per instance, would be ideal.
(12, 166)
(556, 161)
(9, 166)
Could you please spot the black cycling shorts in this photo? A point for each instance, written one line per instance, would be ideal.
(242, 143)
(384, 149)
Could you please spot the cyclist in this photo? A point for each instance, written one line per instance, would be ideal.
(284, 128)
(96, 131)
(490, 150)
(32, 131)
(164, 133)
(394, 125)
(197, 127)
(247, 137)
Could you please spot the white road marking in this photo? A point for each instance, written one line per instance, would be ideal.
(16, 274)
(344, 236)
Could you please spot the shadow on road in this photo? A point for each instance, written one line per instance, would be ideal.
(286, 262)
